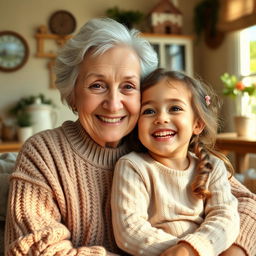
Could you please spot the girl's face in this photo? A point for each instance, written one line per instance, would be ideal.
(107, 94)
(167, 122)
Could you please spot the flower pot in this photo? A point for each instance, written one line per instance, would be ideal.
(245, 126)
(24, 133)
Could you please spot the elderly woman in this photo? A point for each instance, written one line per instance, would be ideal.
(59, 202)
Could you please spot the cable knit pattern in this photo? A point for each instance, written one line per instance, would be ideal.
(59, 200)
(247, 211)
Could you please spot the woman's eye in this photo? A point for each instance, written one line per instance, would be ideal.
(148, 111)
(96, 86)
(128, 87)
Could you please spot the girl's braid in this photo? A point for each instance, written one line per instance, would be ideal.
(203, 170)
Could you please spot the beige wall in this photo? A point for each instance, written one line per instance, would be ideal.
(25, 16)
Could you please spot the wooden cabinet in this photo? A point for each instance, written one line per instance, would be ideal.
(175, 52)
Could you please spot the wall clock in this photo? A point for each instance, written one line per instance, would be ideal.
(62, 23)
(13, 51)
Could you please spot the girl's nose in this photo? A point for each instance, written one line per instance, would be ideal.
(162, 118)
(113, 102)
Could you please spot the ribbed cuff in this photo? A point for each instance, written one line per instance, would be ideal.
(202, 246)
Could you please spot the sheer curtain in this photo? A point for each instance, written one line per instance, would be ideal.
(236, 14)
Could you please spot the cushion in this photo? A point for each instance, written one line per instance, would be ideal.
(7, 162)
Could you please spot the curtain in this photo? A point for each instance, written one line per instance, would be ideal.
(236, 14)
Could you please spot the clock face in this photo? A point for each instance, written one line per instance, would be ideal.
(62, 23)
(13, 51)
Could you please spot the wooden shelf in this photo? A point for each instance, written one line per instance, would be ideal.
(10, 146)
(42, 35)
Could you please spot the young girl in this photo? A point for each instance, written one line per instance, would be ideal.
(172, 197)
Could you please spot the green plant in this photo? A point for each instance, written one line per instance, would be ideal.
(206, 16)
(127, 18)
(26, 101)
(23, 119)
(234, 86)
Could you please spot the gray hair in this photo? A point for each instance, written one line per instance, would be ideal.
(102, 34)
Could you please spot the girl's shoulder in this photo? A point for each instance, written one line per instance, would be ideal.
(214, 160)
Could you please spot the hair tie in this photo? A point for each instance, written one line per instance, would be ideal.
(207, 100)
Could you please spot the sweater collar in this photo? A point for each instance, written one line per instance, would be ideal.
(87, 148)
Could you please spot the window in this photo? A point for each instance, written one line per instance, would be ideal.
(248, 59)
(248, 51)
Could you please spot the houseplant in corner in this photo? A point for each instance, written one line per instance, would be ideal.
(24, 123)
(244, 95)
(40, 109)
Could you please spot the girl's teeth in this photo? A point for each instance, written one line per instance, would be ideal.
(162, 134)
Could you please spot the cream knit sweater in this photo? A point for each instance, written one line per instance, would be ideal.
(59, 197)
(153, 207)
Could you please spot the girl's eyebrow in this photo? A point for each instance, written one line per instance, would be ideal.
(148, 102)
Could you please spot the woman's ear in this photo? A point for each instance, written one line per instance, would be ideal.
(198, 126)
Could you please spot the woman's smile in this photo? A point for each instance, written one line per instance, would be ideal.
(107, 94)
(110, 120)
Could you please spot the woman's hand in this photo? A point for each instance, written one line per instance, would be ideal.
(234, 250)
(180, 249)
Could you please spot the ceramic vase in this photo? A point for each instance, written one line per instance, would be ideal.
(24, 133)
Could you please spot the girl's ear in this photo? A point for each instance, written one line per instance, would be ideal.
(198, 126)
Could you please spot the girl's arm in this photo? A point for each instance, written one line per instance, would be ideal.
(221, 225)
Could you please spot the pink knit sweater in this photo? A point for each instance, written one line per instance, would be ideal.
(59, 197)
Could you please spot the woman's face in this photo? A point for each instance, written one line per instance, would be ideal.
(107, 94)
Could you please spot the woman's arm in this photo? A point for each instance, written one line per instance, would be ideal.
(247, 212)
(36, 210)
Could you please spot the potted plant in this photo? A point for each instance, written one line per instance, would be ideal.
(24, 123)
(128, 18)
(40, 110)
(244, 95)
(206, 14)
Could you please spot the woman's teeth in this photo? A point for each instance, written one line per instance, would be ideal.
(110, 120)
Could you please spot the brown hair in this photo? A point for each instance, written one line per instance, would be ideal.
(203, 144)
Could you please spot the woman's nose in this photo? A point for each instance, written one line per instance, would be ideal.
(113, 102)
(162, 118)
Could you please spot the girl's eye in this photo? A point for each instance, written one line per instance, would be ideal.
(175, 108)
(148, 111)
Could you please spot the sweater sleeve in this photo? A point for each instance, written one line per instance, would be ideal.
(220, 227)
(130, 200)
(34, 223)
(247, 212)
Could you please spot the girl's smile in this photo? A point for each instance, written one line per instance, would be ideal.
(167, 122)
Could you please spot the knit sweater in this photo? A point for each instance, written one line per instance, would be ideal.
(59, 197)
(153, 207)
(59, 200)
